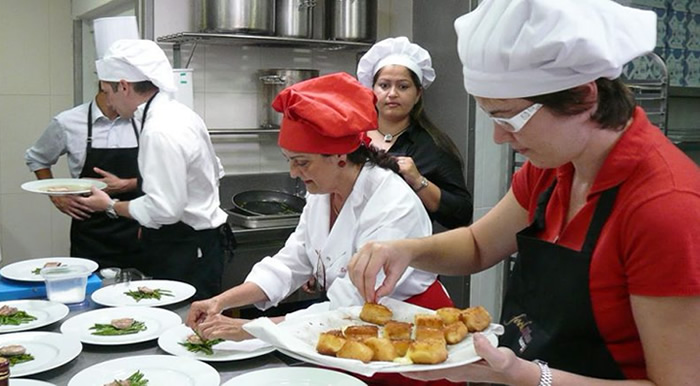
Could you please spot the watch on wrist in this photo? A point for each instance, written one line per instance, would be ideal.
(545, 373)
(423, 184)
(110, 212)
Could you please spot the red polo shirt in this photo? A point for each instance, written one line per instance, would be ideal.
(650, 245)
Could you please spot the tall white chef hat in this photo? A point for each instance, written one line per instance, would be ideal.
(110, 29)
(136, 60)
(396, 51)
(521, 48)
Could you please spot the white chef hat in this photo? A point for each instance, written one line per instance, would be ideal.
(110, 29)
(522, 48)
(136, 60)
(396, 51)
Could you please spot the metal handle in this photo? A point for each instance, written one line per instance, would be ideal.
(273, 79)
(306, 4)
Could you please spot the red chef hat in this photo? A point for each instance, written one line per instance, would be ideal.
(325, 115)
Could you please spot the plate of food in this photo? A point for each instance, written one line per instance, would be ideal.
(147, 293)
(22, 315)
(150, 370)
(120, 325)
(299, 376)
(390, 337)
(35, 351)
(28, 382)
(183, 341)
(29, 270)
(63, 186)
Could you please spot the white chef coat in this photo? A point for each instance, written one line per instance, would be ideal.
(179, 168)
(380, 207)
(67, 134)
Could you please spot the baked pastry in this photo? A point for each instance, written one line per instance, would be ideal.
(449, 315)
(401, 346)
(375, 313)
(397, 330)
(383, 349)
(361, 332)
(455, 332)
(475, 318)
(427, 333)
(330, 342)
(427, 351)
(353, 349)
(428, 320)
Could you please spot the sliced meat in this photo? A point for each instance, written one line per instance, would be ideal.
(123, 323)
(145, 290)
(125, 382)
(12, 350)
(7, 310)
(194, 339)
(52, 264)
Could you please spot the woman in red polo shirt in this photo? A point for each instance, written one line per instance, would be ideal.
(604, 215)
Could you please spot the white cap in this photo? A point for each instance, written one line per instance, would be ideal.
(396, 51)
(136, 61)
(522, 48)
(110, 29)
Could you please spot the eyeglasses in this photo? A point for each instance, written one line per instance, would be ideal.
(518, 121)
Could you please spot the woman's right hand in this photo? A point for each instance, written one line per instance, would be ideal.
(364, 266)
(201, 310)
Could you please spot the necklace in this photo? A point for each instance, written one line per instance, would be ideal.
(390, 137)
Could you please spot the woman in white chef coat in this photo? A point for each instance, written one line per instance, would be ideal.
(353, 197)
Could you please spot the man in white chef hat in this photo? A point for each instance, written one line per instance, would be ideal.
(98, 144)
(184, 231)
(604, 215)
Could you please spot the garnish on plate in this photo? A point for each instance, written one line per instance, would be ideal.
(196, 343)
(36, 271)
(123, 326)
(144, 292)
(135, 379)
(14, 317)
(16, 353)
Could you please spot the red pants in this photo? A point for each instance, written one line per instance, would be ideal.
(433, 298)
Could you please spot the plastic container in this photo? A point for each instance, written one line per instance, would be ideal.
(66, 284)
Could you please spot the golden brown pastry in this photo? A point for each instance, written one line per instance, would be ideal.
(428, 351)
(455, 332)
(476, 318)
(353, 349)
(375, 313)
(449, 315)
(428, 320)
(427, 333)
(397, 330)
(383, 349)
(401, 346)
(330, 342)
(361, 332)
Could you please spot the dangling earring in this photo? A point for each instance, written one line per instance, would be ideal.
(341, 163)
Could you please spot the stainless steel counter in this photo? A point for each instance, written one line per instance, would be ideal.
(93, 354)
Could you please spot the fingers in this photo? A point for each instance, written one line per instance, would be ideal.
(356, 269)
(102, 172)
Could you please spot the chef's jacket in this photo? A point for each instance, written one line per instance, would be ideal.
(179, 168)
(67, 134)
(380, 207)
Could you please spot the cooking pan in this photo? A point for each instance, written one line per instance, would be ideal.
(268, 202)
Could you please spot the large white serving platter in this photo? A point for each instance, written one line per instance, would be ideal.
(45, 312)
(225, 351)
(157, 321)
(114, 295)
(50, 350)
(28, 382)
(159, 370)
(76, 185)
(298, 376)
(23, 270)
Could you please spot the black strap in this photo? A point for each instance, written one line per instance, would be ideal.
(542, 201)
(145, 114)
(600, 216)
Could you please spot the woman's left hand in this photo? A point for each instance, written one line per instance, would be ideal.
(409, 171)
(223, 327)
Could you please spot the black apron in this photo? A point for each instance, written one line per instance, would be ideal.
(179, 252)
(547, 311)
(109, 242)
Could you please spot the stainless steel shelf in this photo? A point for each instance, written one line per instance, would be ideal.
(252, 131)
(261, 40)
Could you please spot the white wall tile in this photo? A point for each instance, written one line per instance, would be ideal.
(239, 154)
(231, 68)
(271, 158)
(26, 235)
(286, 57)
(231, 110)
(61, 47)
(60, 233)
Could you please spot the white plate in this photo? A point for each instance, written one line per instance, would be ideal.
(22, 270)
(28, 382)
(114, 295)
(170, 340)
(298, 376)
(159, 370)
(157, 320)
(50, 350)
(81, 185)
(45, 312)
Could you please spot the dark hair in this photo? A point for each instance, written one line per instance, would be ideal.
(140, 87)
(615, 102)
(372, 155)
(419, 116)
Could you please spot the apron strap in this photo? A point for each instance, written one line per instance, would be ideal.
(542, 201)
(89, 129)
(600, 216)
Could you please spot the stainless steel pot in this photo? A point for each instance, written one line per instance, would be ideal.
(294, 18)
(352, 20)
(271, 82)
(241, 16)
